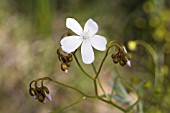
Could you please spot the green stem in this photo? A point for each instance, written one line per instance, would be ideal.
(98, 72)
(81, 67)
(48, 78)
(109, 102)
(82, 99)
(95, 87)
(121, 108)
(98, 80)
(120, 46)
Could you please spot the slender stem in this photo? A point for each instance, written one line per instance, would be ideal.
(48, 78)
(109, 102)
(98, 72)
(73, 89)
(94, 68)
(85, 95)
(98, 80)
(95, 87)
(121, 108)
(105, 56)
(81, 67)
(82, 99)
(100, 67)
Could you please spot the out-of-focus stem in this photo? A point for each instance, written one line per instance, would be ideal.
(158, 76)
(119, 107)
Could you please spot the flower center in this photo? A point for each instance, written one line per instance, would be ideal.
(85, 35)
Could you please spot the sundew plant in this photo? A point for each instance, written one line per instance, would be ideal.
(86, 40)
(85, 56)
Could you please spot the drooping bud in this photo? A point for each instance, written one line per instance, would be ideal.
(59, 51)
(46, 93)
(33, 93)
(68, 64)
(70, 58)
(41, 98)
(114, 55)
(127, 57)
(64, 67)
(122, 63)
(65, 60)
(116, 60)
(38, 89)
(121, 57)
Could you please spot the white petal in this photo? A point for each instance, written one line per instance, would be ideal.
(98, 42)
(70, 43)
(74, 26)
(91, 27)
(87, 52)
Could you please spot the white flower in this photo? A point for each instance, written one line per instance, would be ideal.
(86, 38)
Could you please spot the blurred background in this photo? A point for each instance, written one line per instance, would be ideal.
(30, 32)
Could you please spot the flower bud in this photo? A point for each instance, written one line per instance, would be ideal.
(46, 93)
(68, 64)
(70, 58)
(41, 98)
(114, 55)
(116, 60)
(33, 93)
(122, 63)
(45, 89)
(64, 59)
(38, 89)
(127, 59)
(64, 66)
(59, 51)
(127, 56)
